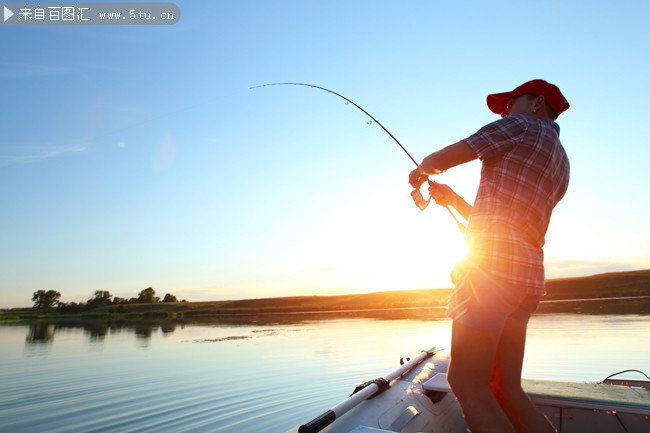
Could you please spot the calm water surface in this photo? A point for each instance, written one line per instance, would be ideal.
(257, 374)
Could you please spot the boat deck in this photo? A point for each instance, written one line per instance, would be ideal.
(596, 396)
(580, 407)
(589, 395)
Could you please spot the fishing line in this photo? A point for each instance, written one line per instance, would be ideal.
(416, 194)
(348, 100)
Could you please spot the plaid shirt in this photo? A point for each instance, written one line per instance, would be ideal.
(525, 173)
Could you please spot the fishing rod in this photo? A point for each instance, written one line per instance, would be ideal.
(420, 202)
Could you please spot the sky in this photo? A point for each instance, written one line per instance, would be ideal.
(138, 156)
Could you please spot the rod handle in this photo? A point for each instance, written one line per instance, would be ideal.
(319, 423)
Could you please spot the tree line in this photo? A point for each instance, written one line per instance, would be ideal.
(49, 301)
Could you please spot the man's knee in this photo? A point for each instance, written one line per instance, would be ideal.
(458, 381)
(505, 392)
(452, 376)
(513, 394)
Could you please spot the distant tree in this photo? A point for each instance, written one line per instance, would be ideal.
(99, 299)
(147, 296)
(117, 300)
(170, 298)
(70, 308)
(46, 301)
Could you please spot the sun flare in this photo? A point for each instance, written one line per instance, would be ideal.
(392, 248)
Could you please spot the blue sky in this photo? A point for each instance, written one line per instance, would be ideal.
(137, 156)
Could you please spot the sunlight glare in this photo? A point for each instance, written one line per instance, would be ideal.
(392, 247)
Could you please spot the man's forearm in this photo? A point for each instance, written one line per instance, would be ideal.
(436, 163)
(462, 206)
(445, 196)
(446, 158)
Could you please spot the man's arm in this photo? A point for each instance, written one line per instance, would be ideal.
(436, 163)
(448, 157)
(445, 196)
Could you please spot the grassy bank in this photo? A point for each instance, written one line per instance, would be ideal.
(560, 291)
(609, 285)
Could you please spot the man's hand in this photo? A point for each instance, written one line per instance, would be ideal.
(416, 178)
(442, 194)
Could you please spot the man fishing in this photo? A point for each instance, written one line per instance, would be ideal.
(524, 174)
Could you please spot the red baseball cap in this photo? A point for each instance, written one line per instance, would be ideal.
(497, 101)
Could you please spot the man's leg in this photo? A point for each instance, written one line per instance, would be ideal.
(506, 381)
(470, 369)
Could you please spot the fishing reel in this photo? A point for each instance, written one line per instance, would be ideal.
(419, 200)
(422, 204)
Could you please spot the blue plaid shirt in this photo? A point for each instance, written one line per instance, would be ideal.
(525, 173)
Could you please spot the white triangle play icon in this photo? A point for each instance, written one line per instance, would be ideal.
(8, 13)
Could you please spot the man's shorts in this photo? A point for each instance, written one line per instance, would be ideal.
(484, 302)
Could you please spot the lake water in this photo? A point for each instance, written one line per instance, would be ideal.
(262, 374)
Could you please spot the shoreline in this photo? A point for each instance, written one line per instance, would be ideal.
(622, 305)
(620, 293)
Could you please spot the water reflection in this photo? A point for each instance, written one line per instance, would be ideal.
(168, 328)
(96, 330)
(40, 333)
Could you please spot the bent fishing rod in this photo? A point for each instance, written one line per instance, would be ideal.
(416, 195)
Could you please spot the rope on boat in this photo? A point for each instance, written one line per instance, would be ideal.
(624, 371)
(382, 385)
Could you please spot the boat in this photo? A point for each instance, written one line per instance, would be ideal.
(416, 398)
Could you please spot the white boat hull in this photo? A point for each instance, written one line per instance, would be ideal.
(416, 402)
